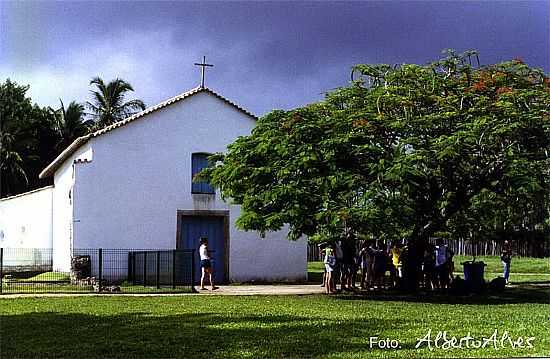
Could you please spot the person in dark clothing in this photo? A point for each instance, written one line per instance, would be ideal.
(428, 268)
(380, 266)
(348, 263)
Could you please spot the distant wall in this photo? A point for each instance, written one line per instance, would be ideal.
(26, 220)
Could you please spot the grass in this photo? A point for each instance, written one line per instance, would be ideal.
(59, 282)
(49, 276)
(257, 327)
(62, 287)
(318, 326)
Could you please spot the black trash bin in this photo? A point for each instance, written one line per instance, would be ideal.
(473, 275)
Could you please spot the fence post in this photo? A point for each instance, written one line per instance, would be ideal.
(174, 269)
(129, 275)
(134, 268)
(100, 260)
(145, 268)
(1, 267)
(193, 271)
(158, 269)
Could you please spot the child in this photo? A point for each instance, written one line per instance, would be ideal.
(330, 263)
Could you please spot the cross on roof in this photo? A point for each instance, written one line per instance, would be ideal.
(203, 65)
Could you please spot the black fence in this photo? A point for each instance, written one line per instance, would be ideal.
(35, 270)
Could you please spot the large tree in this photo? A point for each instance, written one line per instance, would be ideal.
(404, 150)
(27, 138)
(108, 103)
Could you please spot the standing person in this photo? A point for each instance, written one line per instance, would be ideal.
(347, 268)
(365, 264)
(429, 274)
(338, 270)
(395, 252)
(206, 264)
(442, 255)
(379, 266)
(322, 248)
(506, 258)
(330, 264)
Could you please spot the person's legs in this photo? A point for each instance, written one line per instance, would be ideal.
(370, 276)
(439, 278)
(202, 277)
(342, 276)
(506, 273)
(444, 276)
(210, 278)
(328, 279)
(393, 276)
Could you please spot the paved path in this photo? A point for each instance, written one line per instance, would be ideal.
(282, 289)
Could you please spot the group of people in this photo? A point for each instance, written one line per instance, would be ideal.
(344, 260)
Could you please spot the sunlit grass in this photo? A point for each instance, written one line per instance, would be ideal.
(259, 327)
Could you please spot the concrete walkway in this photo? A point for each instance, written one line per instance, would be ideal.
(238, 290)
(282, 289)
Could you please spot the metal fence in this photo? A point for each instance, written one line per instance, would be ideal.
(35, 270)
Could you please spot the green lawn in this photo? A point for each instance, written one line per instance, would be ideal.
(196, 326)
(256, 327)
(49, 276)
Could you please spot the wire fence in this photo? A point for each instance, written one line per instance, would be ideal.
(36, 270)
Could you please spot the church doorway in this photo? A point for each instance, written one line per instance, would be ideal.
(214, 225)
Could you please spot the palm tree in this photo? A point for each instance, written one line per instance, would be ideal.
(69, 123)
(108, 104)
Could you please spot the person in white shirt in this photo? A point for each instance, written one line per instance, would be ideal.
(206, 264)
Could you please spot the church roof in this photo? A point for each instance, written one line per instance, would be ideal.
(63, 156)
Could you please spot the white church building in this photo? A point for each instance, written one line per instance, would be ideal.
(129, 186)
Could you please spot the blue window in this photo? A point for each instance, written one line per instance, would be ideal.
(198, 162)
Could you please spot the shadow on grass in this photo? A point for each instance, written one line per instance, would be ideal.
(518, 295)
(192, 335)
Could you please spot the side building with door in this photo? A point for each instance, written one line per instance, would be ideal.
(129, 186)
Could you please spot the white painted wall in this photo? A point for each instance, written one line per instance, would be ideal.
(63, 199)
(26, 229)
(140, 175)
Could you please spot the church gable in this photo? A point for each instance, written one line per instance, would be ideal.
(144, 115)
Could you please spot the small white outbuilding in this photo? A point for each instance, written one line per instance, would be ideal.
(129, 186)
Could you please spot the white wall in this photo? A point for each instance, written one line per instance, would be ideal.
(26, 220)
(140, 175)
(63, 199)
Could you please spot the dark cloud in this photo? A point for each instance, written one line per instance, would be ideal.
(266, 55)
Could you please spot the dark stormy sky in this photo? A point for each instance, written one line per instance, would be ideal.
(266, 55)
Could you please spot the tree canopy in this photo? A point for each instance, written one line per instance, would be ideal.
(448, 148)
(27, 140)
